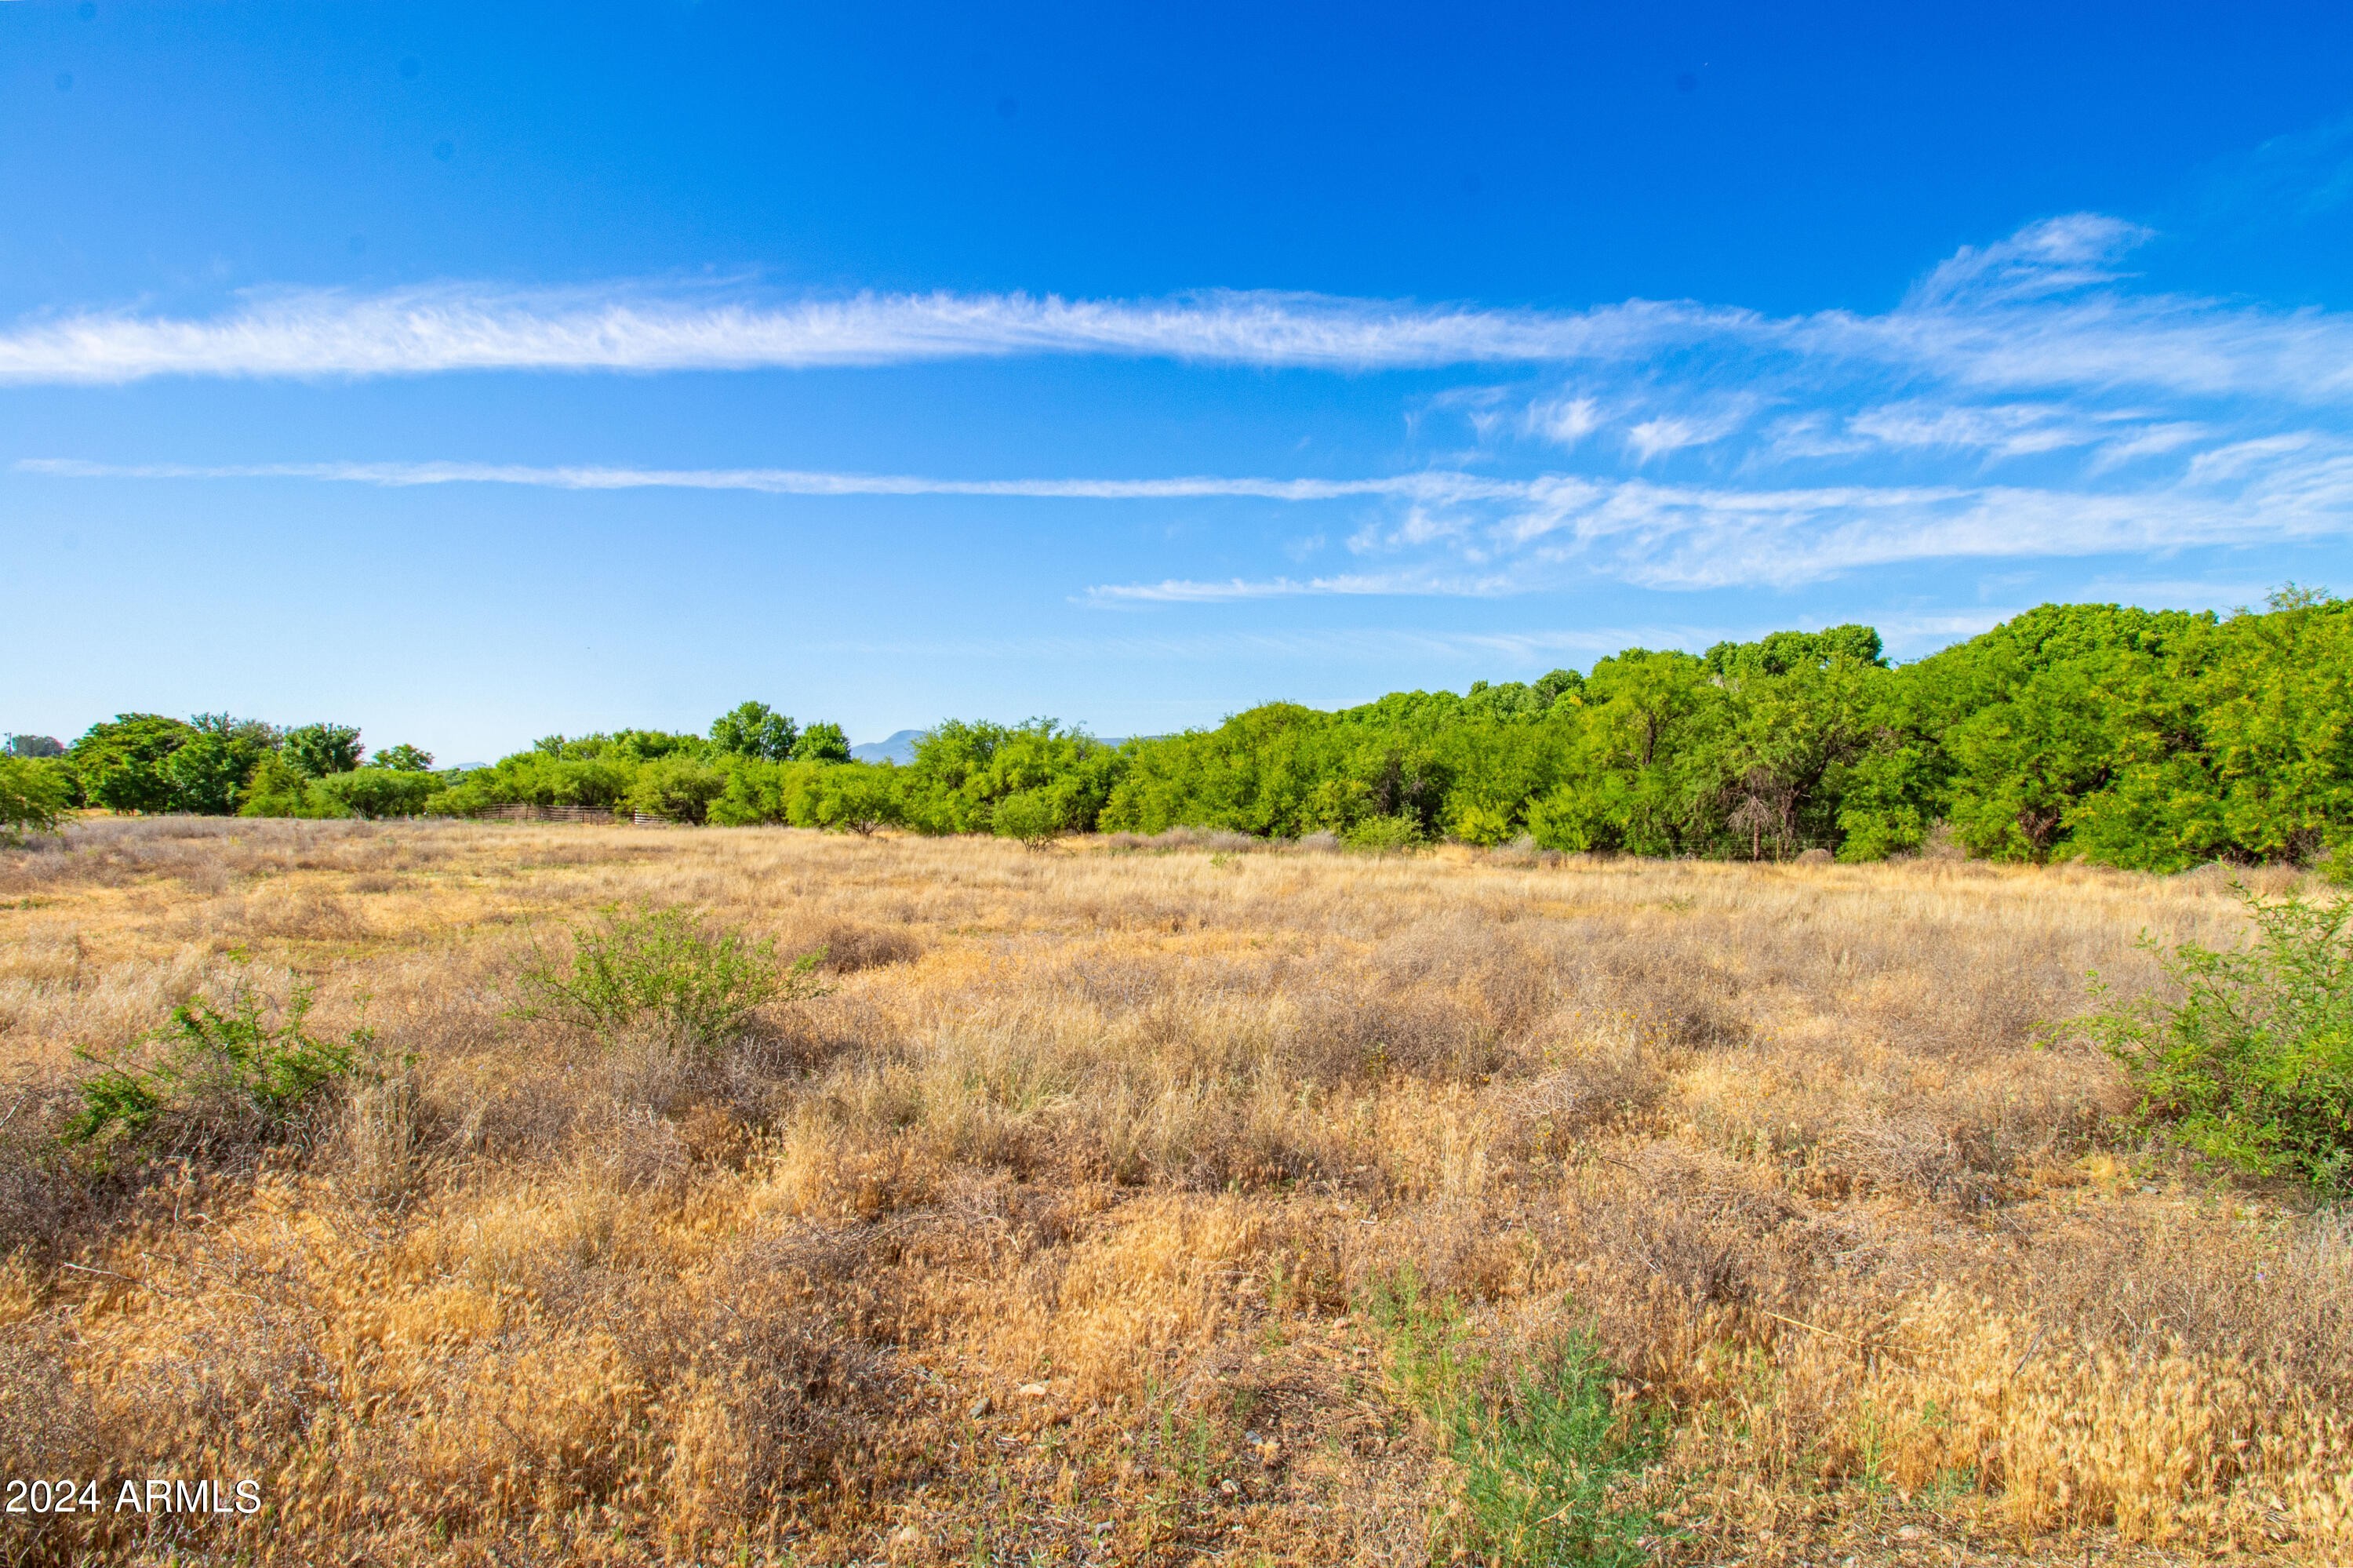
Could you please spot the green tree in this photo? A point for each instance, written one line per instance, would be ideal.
(822, 742)
(1643, 775)
(1797, 716)
(120, 762)
(34, 797)
(539, 776)
(760, 791)
(402, 759)
(207, 775)
(677, 788)
(961, 770)
(857, 797)
(755, 729)
(322, 750)
(210, 773)
(276, 790)
(32, 745)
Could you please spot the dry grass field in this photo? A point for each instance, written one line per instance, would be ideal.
(1148, 1202)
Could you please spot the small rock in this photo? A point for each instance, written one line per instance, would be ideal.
(1909, 1533)
(1228, 1487)
(979, 1407)
(1033, 1390)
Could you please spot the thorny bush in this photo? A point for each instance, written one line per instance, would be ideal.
(2253, 1067)
(213, 1075)
(670, 970)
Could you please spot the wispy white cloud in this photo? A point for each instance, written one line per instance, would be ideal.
(640, 328)
(2033, 312)
(1565, 421)
(1530, 646)
(1175, 590)
(1458, 534)
(1431, 486)
(2054, 256)
(1696, 426)
(2025, 401)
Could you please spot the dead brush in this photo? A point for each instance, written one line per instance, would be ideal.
(1038, 1245)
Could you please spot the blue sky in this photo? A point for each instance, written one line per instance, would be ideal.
(468, 373)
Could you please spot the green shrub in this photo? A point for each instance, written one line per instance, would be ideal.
(1384, 834)
(374, 792)
(276, 789)
(2253, 1067)
(1545, 1463)
(666, 971)
(213, 1075)
(1033, 816)
(677, 788)
(857, 797)
(1484, 825)
(34, 795)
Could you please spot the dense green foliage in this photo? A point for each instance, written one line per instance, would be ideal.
(34, 795)
(322, 750)
(755, 729)
(213, 765)
(962, 771)
(120, 765)
(2153, 740)
(2253, 1065)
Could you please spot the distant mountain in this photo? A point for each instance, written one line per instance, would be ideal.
(899, 748)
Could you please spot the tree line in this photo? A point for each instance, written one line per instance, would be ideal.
(2155, 739)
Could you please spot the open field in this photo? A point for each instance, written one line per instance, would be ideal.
(1084, 1218)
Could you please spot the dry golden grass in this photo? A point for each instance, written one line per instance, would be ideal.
(1044, 1235)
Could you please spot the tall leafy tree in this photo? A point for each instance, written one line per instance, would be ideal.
(402, 759)
(34, 797)
(323, 750)
(822, 742)
(756, 729)
(120, 761)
